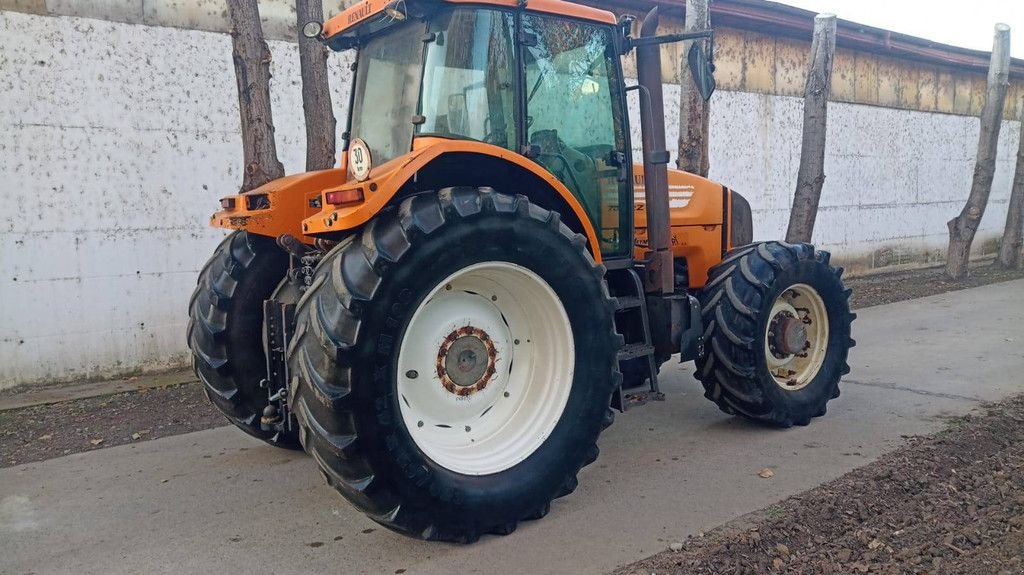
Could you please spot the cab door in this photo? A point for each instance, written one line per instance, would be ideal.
(575, 118)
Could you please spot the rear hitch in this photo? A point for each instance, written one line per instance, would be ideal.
(278, 324)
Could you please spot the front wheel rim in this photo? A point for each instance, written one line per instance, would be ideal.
(485, 368)
(796, 337)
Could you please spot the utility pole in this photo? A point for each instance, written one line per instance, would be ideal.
(251, 57)
(963, 227)
(316, 94)
(1013, 239)
(811, 176)
(693, 110)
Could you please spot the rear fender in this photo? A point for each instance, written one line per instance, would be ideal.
(437, 163)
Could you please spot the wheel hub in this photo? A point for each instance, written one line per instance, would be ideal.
(466, 360)
(796, 337)
(790, 335)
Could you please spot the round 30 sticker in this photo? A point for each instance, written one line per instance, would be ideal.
(359, 161)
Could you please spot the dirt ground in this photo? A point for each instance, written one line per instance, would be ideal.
(43, 432)
(950, 503)
(47, 431)
(899, 286)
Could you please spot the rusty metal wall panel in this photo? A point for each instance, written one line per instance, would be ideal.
(945, 95)
(909, 87)
(962, 90)
(928, 88)
(729, 59)
(759, 63)
(978, 88)
(26, 6)
(888, 82)
(1014, 102)
(866, 79)
(791, 58)
(844, 72)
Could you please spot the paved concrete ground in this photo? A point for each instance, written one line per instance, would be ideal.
(216, 501)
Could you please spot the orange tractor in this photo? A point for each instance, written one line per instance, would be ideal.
(448, 319)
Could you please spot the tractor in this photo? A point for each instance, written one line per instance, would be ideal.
(448, 319)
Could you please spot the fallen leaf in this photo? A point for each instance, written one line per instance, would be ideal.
(782, 549)
(96, 441)
(875, 544)
(45, 437)
(136, 436)
(677, 547)
(778, 563)
(766, 473)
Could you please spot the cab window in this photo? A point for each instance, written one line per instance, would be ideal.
(468, 77)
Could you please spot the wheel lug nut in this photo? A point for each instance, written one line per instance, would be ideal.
(468, 429)
(419, 424)
(412, 374)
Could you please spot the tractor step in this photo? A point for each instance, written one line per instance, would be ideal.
(628, 302)
(635, 350)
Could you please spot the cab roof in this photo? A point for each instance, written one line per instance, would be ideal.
(367, 9)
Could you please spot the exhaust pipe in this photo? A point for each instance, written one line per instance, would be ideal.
(660, 276)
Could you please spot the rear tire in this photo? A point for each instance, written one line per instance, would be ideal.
(358, 400)
(752, 287)
(226, 325)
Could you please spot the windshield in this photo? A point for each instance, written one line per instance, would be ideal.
(387, 82)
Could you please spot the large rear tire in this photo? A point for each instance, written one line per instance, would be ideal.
(453, 362)
(225, 329)
(777, 333)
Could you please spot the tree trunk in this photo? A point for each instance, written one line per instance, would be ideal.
(251, 56)
(316, 95)
(963, 227)
(811, 175)
(693, 110)
(1013, 237)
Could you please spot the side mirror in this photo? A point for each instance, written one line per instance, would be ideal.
(702, 70)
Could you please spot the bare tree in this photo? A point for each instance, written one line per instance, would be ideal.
(1013, 239)
(251, 56)
(963, 227)
(316, 94)
(693, 110)
(811, 175)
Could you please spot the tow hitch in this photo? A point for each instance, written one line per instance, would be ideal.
(278, 323)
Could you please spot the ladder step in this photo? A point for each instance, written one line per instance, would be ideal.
(635, 350)
(628, 302)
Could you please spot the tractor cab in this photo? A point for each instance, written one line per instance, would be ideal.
(545, 85)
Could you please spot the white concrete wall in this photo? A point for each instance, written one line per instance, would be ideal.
(116, 140)
(893, 178)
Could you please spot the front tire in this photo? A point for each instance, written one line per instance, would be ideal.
(415, 344)
(777, 333)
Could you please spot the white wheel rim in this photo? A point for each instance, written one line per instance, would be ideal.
(798, 307)
(476, 415)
